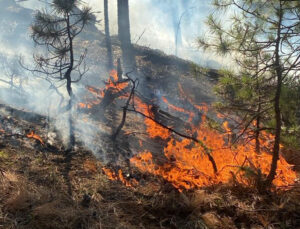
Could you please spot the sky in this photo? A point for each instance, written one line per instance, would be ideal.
(160, 24)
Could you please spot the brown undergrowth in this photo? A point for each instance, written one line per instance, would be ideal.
(50, 190)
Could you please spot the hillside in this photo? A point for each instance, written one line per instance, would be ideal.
(171, 165)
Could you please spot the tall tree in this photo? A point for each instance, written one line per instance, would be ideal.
(266, 30)
(128, 58)
(110, 65)
(56, 32)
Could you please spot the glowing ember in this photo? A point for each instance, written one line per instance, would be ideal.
(35, 136)
(85, 105)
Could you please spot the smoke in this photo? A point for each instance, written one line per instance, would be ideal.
(158, 24)
(169, 25)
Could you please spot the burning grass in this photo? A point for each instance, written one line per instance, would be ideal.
(204, 160)
(189, 165)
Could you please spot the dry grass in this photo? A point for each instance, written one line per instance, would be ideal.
(35, 194)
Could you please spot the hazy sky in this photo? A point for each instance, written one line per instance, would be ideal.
(158, 21)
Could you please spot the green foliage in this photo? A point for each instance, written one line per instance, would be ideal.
(56, 31)
(64, 6)
(261, 36)
(291, 140)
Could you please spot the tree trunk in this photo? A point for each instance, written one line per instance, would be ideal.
(278, 71)
(119, 70)
(257, 133)
(110, 65)
(124, 36)
(68, 78)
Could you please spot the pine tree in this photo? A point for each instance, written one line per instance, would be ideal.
(56, 32)
(268, 32)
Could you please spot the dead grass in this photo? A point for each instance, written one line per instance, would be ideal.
(34, 195)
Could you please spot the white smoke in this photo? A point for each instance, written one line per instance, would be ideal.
(159, 23)
(154, 23)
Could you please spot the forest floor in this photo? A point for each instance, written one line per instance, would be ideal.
(55, 190)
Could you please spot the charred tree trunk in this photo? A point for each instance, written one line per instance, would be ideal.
(121, 125)
(119, 70)
(70, 119)
(124, 36)
(69, 87)
(298, 112)
(110, 65)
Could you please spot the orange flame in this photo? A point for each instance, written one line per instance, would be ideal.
(35, 136)
(113, 82)
(112, 85)
(189, 167)
(153, 129)
(113, 176)
(179, 109)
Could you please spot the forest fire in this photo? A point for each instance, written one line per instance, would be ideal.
(189, 165)
(153, 129)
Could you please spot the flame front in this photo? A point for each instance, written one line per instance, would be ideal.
(188, 166)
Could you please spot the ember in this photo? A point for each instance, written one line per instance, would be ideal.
(113, 176)
(35, 136)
